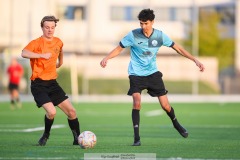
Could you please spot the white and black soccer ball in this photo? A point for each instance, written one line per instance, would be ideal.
(87, 139)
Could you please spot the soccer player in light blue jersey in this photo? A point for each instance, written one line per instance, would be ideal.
(144, 44)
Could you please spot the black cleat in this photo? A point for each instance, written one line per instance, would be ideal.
(136, 143)
(75, 142)
(180, 129)
(75, 137)
(43, 140)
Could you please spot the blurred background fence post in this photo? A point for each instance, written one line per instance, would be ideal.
(195, 49)
(237, 41)
(74, 78)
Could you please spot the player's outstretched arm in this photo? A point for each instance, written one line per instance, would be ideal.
(29, 54)
(186, 54)
(115, 52)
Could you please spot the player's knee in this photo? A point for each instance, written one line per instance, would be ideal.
(72, 113)
(51, 115)
(137, 106)
(166, 107)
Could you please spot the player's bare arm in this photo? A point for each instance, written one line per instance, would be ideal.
(186, 54)
(29, 54)
(60, 60)
(115, 52)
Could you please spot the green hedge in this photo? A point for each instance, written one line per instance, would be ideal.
(121, 86)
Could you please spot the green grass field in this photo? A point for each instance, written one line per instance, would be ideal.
(214, 131)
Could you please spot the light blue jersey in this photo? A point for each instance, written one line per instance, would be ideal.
(144, 50)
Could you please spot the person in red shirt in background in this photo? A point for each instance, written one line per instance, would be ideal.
(15, 72)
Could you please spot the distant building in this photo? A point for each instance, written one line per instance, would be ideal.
(95, 26)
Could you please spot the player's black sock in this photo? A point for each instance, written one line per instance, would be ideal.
(176, 124)
(48, 124)
(171, 114)
(75, 127)
(136, 121)
(12, 102)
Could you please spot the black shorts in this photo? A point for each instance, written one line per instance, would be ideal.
(12, 86)
(45, 91)
(153, 83)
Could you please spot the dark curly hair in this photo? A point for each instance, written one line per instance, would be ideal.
(49, 18)
(146, 14)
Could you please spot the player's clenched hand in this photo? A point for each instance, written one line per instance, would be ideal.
(200, 65)
(46, 55)
(103, 63)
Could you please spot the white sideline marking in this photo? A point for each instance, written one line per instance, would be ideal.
(42, 128)
(154, 113)
(31, 129)
(174, 98)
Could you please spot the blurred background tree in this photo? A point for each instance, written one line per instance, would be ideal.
(211, 43)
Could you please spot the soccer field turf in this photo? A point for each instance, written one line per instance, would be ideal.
(214, 131)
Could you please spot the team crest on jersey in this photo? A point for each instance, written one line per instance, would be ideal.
(57, 50)
(154, 43)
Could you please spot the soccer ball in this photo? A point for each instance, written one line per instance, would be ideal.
(87, 139)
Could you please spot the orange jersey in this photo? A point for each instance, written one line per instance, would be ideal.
(44, 69)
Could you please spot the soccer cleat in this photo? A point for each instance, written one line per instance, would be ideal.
(75, 142)
(43, 140)
(136, 143)
(75, 137)
(180, 129)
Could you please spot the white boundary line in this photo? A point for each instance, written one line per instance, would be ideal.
(32, 129)
(172, 98)
(183, 98)
(153, 113)
(103, 126)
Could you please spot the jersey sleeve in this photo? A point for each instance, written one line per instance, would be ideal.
(31, 46)
(127, 40)
(167, 41)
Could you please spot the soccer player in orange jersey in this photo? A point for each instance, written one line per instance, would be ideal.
(45, 54)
